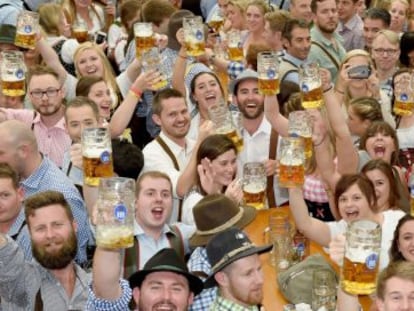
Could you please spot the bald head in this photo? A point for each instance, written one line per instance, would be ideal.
(16, 133)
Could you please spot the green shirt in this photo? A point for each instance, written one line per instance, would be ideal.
(222, 304)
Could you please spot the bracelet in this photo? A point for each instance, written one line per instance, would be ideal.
(320, 143)
(328, 89)
(135, 92)
(338, 91)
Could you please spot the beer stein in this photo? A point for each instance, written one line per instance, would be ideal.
(216, 22)
(224, 123)
(80, 31)
(300, 125)
(13, 73)
(310, 85)
(291, 162)
(194, 35)
(235, 46)
(115, 213)
(97, 155)
(323, 290)
(27, 28)
(254, 184)
(151, 60)
(280, 234)
(267, 69)
(144, 38)
(403, 95)
(361, 260)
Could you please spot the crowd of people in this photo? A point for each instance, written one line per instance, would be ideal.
(190, 251)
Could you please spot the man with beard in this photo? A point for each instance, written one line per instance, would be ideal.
(256, 131)
(163, 284)
(171, 152)
(297, 42)
(47, 119)
(236, 270)
(326, 48)
(54, 281)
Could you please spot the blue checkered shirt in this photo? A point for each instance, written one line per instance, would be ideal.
(121, 304)
(49, 177)
(234, 69)
(198, 262)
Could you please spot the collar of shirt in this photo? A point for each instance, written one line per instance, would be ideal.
(175, 148)
(138, 230)
(293, 59)
(18, 223)
(60, 124)
(81, 276)
(264, 127)
(317, 36)
(36, 177)
(351, 24)
(225, 304)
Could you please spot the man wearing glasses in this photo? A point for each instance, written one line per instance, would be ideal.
(47, 119)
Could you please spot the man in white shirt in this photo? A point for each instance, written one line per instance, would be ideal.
(256, 128)
(171, 152)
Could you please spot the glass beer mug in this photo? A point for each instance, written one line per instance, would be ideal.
(235, 45)
(144, 38)
(97, 155)
(224, 122)
(115, 213)
(324, 290)
(26, 29)
(151, 60)
(361, 260)
(13, 73)
(194, 35)
(300, 125)
(403, 94)
(80, 31)
(254, 184)
(310, 85)
(267, 69)
(291, 167)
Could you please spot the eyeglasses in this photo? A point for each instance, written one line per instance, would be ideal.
(385, 51)
(49, 92)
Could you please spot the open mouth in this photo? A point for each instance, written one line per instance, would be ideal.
(351, 215)
(379, 151)
(211, 98)
(157, 212)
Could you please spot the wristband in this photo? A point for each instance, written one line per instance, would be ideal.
(135, 92)
(328, 89)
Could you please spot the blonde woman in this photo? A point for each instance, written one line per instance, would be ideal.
(255, 12)
(399, 15)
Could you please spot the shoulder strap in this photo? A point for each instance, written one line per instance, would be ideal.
(334, 61)
(274, 137)
(131, 259)
(176, 166)
(176, 240)
(38, 302)
(15, 236)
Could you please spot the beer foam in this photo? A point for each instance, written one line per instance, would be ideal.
(310, 85)
(94, 152)
(143, 33)
(254, 187)
(291, 161)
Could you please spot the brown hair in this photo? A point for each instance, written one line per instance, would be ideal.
(386, 169)
(363, 183)
(400, 269)
(161, 96)
(49, 16)
(39, 70)
(7, 172)
(155, 11)
(395, 254)
(81, 101)
(84, 85)
(277, 20)
(367, 108)
(43, 199)
(151, 174)
(128, 10)
(261, 4)
(291, 24)
(385, 129)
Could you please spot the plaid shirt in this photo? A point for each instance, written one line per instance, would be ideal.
(198, 262)
(121, 304)
(314, 190)
(234, 69)
(221, 304)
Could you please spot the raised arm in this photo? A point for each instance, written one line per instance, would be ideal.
(180, 65)
(51, 58)
(346, 152)
(273, 115)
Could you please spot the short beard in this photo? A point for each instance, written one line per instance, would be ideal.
(327, 30)
(59, 259)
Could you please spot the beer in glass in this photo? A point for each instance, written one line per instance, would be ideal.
(144, 38)
(310, 85)
(300, 125)
(194, 35)
(403, 95)
(361, 260)
(324, 290)
(80, 31)
(254, 184)
(224, 121)
(151, 60)
(267, 69)
(291, 167)
(235, 46)
(13, 73)
(216, 22)
(97, 155)
(26, 29)
(115, 217)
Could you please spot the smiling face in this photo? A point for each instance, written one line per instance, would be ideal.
(371, 28)
(255, 19)
(89, 63)
(249, 100)
(101, 95)
(300, 43)
(154, 203)
(207, 92)
(382, 188)
(353, 204)
(398, 295)
(380, 146)
(225, 168)
(406, 240)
